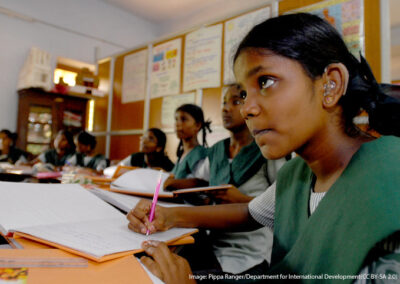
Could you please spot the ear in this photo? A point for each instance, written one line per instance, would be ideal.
(198, 126)
(334, 80)
(159, 149)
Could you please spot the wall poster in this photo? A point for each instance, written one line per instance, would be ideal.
(166, 68)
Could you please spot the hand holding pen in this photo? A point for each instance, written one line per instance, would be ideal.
(139, 218)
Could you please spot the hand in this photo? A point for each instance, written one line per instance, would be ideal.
(166, 265)
(168, 182)
(139, 218)
(230, 195)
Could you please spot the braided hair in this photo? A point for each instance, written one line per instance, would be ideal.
(197, 113)
(315, 44)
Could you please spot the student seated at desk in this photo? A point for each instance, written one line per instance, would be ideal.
(335, 208)
(153, 152)
(236, 160)
(85, 157)
(64, 148)
(189, 121)
(9, 152)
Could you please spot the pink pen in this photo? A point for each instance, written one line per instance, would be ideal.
(154, 203)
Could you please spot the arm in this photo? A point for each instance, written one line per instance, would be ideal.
(230, 195)
(172, 184)
(234, 217)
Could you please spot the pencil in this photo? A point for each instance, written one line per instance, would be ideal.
(154, 203)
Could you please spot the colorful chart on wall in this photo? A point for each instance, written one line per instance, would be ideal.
(235, 30)
(202, 60)
(166, 68)
(347, 16)
(171, 103)
(134, 77)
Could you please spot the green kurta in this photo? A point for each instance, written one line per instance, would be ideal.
(51, 157)
(186, 166)
(245, 164)
(360, 209)
(93, 163)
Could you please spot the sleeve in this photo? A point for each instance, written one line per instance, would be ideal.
(102, 165)
(42, 157)
(22, 160)
(384, 268)
(71, 161)
(125, 162)
(197, 166)
(262, 208)
(202, 170)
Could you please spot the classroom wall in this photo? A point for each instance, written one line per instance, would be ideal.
(211, 97)
(84, 31)
(216, 12)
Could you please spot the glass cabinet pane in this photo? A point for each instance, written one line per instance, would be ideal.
(39, 129)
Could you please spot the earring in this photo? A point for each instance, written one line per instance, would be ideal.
(328, 87)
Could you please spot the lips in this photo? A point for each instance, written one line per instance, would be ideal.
(257, 132)
(226, 118)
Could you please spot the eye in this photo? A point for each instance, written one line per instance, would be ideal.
(265, 82)
(243, 94)
(237, 102)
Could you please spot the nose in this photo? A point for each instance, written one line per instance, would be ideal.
(250, 107)
(226, 107)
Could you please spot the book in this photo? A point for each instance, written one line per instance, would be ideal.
(142, 182)
(69, 217)
(125, 202)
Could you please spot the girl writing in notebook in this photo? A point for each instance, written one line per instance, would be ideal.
(335, 208)
(152, 154)
(235, 160)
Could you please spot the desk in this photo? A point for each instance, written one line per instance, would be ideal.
(118, 271)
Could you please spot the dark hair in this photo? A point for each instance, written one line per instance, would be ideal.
(12, 135)
(70, 138)
(161, 138)
(197, 113)
(87, 139)
(315, 44)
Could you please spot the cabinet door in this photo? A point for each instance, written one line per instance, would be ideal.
(39, 129)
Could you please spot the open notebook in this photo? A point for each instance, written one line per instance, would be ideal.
(143, 182)
(69, 217)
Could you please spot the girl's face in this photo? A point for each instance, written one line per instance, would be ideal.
(149, 143)
(83, 148)
(231, 117)
(61, 143)
(282, 108)
(186, 126)
(5, 141)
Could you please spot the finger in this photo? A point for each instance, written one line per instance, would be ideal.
(159, 251)
(137, 227)
(152, 266)
(142, 209)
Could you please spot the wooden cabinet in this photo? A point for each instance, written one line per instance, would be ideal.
(42, 114)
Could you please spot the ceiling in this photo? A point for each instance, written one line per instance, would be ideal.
(166, 10)
(163, 10)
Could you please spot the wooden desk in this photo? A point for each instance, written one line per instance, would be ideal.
(118, 271)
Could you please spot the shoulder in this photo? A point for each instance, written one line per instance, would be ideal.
(138, 155)
(217, 147)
